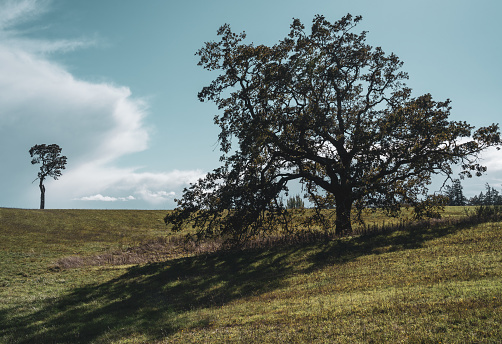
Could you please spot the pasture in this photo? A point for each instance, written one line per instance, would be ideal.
(119, 276)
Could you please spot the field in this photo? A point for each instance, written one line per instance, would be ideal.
(119, 276)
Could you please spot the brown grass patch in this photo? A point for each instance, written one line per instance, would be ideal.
(156, 250)
(167, 248)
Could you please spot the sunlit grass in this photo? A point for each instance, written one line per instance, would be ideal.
(428, 285)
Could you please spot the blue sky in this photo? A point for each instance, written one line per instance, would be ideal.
(115, 84)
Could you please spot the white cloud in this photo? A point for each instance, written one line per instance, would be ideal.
(492, 159)
(154, 188)
(156, 197)
(101, 198)
(94, 123)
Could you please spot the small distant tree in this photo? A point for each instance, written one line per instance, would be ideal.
(455, 193)
(52, 164)
(295, 202)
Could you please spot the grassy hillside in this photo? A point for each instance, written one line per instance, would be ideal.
(426, 285)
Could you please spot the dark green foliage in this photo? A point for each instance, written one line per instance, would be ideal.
(52, 164)
(488, 211)
(455, 194)
(295, 202)
(330, 111)
(431, 207)
(490, 197)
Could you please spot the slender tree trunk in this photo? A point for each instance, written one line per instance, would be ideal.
(343, 221)
(42, 194)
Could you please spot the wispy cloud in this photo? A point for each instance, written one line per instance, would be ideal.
(101, 198)
(15, 12)
(156, 197)
(94, 123)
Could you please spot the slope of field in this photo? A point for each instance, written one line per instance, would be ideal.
(441, 284)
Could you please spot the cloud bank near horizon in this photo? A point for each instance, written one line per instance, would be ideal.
(96, 124)
(100, 197)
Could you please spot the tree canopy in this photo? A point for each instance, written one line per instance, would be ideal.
(52, 164)
(325, 109)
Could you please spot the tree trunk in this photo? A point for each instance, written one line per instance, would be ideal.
(343, 223)
(42, 195)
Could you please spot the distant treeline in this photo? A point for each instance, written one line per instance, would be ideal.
(454, 192)
(295, 202)
(456, 196)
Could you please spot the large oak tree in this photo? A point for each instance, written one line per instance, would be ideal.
(330, 111)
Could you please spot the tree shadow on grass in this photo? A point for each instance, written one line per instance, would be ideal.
(151, 300)
(156, 300)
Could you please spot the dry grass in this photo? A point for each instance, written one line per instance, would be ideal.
(177, 246)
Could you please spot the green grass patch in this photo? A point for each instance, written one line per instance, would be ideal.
(441, 284)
